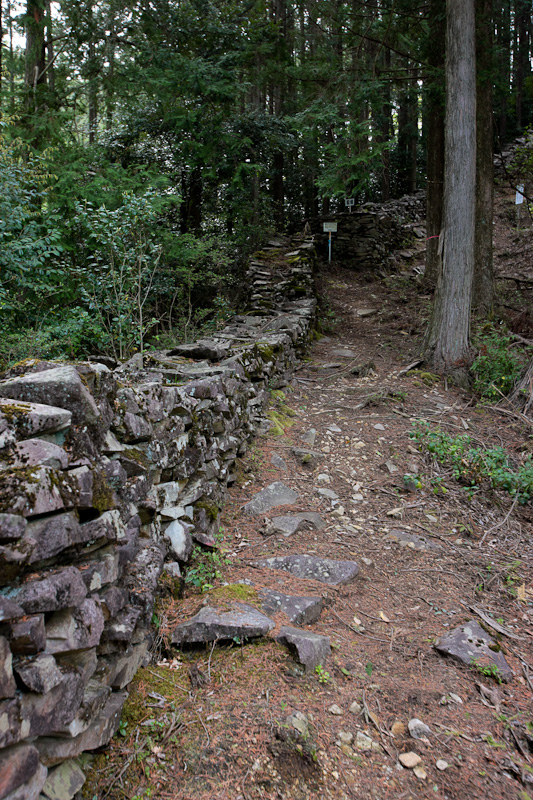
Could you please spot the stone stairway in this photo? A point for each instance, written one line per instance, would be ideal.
(242, 621)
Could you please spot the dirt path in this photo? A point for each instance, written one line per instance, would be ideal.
(219, 723)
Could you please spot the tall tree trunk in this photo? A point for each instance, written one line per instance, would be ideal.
(435, 141)
(447, 345)
(483, 290)
(92, 74)
(11, 56)
(504, 67)
(407, 138)
(50, 68)
(35, 48)
(522, 55)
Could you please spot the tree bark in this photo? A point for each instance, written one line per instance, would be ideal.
(447, 344)
(504, 67)
(35, 47)
(483, 290)
(435, 142)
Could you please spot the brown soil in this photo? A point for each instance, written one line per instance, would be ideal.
(210, 724)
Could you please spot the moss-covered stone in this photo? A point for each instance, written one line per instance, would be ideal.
(102, 492)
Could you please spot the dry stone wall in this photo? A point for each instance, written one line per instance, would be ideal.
(107, 478)
(368, 237)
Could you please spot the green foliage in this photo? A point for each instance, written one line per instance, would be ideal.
(496, 367)
(119, 254)
(472, 465)
(322, 675)
(29, 235)
(205, 566)
(488, 671)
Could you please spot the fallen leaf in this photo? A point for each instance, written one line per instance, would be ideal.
(384, 617)
(357, 621)
(521, 593)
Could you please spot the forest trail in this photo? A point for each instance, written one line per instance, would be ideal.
(244, 721)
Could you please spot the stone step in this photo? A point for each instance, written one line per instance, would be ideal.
(326, 570)
(299, 609)
(212, 624)
(290, 523)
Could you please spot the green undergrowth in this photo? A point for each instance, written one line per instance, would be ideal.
(498, 365)
(205, 566)
(473, 465)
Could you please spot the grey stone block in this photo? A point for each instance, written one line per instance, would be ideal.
(325, 570)
(311, 649)
(300, 610)
(277, 494)
(472, 645)
(210, 624)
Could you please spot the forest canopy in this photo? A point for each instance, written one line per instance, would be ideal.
(147, 147)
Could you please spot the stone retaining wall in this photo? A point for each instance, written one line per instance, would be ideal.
(106, 478)
(367, 237)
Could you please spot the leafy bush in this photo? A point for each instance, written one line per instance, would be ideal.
(472, 465)
(29, 233)
(496, 368)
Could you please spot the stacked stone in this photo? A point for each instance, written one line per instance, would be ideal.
(103, 476)
(367, 237)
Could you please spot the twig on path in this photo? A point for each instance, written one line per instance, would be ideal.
(209, 660)
(492, 623)
(525, 670)
(203, 726)
(504, 520)
(453, 732)
(371, 717)
(352, 628)
(123, 770)
(410, 367)
(341, 371)
(516, 414)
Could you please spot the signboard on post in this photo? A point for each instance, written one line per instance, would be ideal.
(329, 227)
(350, 202)
(519, 200)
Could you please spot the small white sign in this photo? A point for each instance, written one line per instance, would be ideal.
(349, 202)
(519, 195)
(330, 227)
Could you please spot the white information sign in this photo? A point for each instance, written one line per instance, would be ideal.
(519, 195)
(330, 227)
(349, 202)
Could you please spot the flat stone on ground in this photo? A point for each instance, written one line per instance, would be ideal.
(277, 494)
(471, 644)
(64, 781)
(300, 610)
(311, 649)
(210, 624)
(279, 462)
(325, 570)
(309, 437)
(341, 352)
(290, 523)
(411, 540)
